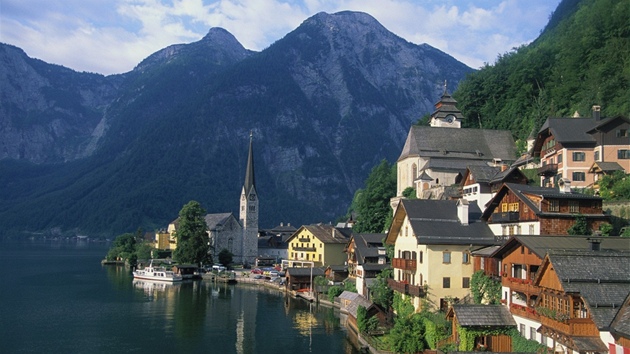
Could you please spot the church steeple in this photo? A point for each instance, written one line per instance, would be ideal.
(249, 172)
(446, 113)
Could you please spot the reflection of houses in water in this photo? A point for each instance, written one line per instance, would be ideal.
(304, 322)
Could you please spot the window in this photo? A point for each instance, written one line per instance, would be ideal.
(532, 333)
(446, 257)
(579, 156)
(622, 133)
(554, 205)
(420, 258)
(504, 207)
(531, 229)
(446, 282)
(574, 206)
(465, 282)
(252, 208)
(465, 258)
(522, 329)
(560, 158)
(513, 207)
(596, 155)
(578, 176)
(623, 154)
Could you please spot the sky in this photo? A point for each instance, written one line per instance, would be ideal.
(113, 36)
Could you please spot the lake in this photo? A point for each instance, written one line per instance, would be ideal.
(56, 297)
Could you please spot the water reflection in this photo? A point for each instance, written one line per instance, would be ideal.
(154, 290)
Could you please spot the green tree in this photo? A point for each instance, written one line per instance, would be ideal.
(409, 193)
(407, 336)
(485, 289)
(382, 294)
(580, 227)
(615, 186)
(192, 235)
(606, 229)
(362, 319)
(225, 257)
(371, 204)
(123, 248)
(350, 286)
(333, 292)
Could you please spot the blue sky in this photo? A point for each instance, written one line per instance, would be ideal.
(113, 36)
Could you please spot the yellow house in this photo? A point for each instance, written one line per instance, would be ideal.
(321, 244)
(167, 240)
(432, 243)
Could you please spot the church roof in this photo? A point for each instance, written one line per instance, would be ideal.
(469, 144)
(249, 172)
(446, 106)
(215, 221)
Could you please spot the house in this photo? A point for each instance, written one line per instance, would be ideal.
(601, 169)
(493, 321)
(519, 209)
(366, 258)
(301, 278)
(432, 243)
(521, 258)
(569, 147)
(272, 244)
(319, 243)
(349, 303)
(481, 182)
(435, 157)
(581, 293)
(224, 232)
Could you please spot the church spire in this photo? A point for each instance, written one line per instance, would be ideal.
(249, 172)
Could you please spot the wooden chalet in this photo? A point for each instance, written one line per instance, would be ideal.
(581, 293)
(300, 278)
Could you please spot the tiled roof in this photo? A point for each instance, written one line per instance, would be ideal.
(483, 316)
(448, 164)
(367, 245)
(305, 271)
(356, 300)
(328, 233)
(570, 130)
(471, 144)
(436, 222)
(540, 245)
(215, 220)
(483, 173)
(621, 323)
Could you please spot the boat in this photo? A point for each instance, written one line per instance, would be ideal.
(156, 273)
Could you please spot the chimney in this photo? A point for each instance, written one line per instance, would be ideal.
(596, 112)
(595, 243)
(462, 211)
(564, 185)
(504, 167)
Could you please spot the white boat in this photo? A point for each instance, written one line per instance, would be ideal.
(156, 273)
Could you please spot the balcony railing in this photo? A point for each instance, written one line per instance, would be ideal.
(548, 170)
(524, 311)
(304, 239)
(405, 288)
(505, 217)
(404, 264)
(305, 249)
(576, 326)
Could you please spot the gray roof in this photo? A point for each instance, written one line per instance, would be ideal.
(483, 316)
(601, 277)
(305, 271)
(446, 106)
(570, 130)
(367, 245)
(541, 245)
(470, 144)
(326, 233)
(436, 222)
(216, 220)
(451, 165)
(356, 300)
(621, 323)
(607, 166)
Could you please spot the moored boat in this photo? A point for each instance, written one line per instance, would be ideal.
(156, 273)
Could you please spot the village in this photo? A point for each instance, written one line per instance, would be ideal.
(469, 239)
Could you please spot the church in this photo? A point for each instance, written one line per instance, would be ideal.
(435, 157)
(239, 236)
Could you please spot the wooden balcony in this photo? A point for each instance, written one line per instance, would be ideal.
(521, 285)
(305, 249)
(580, 327)
(524, 311)
(548, 170)
(404, 264)
(509, 216)
(404, 288)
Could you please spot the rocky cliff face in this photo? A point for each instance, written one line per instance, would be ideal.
(48, 113)
(326, 103)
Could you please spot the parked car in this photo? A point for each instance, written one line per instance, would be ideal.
(257, 271)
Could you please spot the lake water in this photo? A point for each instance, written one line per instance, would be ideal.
(56, 297)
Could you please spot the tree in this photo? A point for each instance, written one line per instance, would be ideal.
(372, 203)
(580, 227)
(124, 247)
(410, 193)
(615, 186)
(362, 319)
(381, 292)
(333, 292)
(192, 235)
(485, 289)
(225, 257)
(407, 336)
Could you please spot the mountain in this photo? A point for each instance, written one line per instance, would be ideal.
(581, 59)
(325, 104)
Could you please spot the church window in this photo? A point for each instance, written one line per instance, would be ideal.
(252, 208)
(230, 242)
(252, 196)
